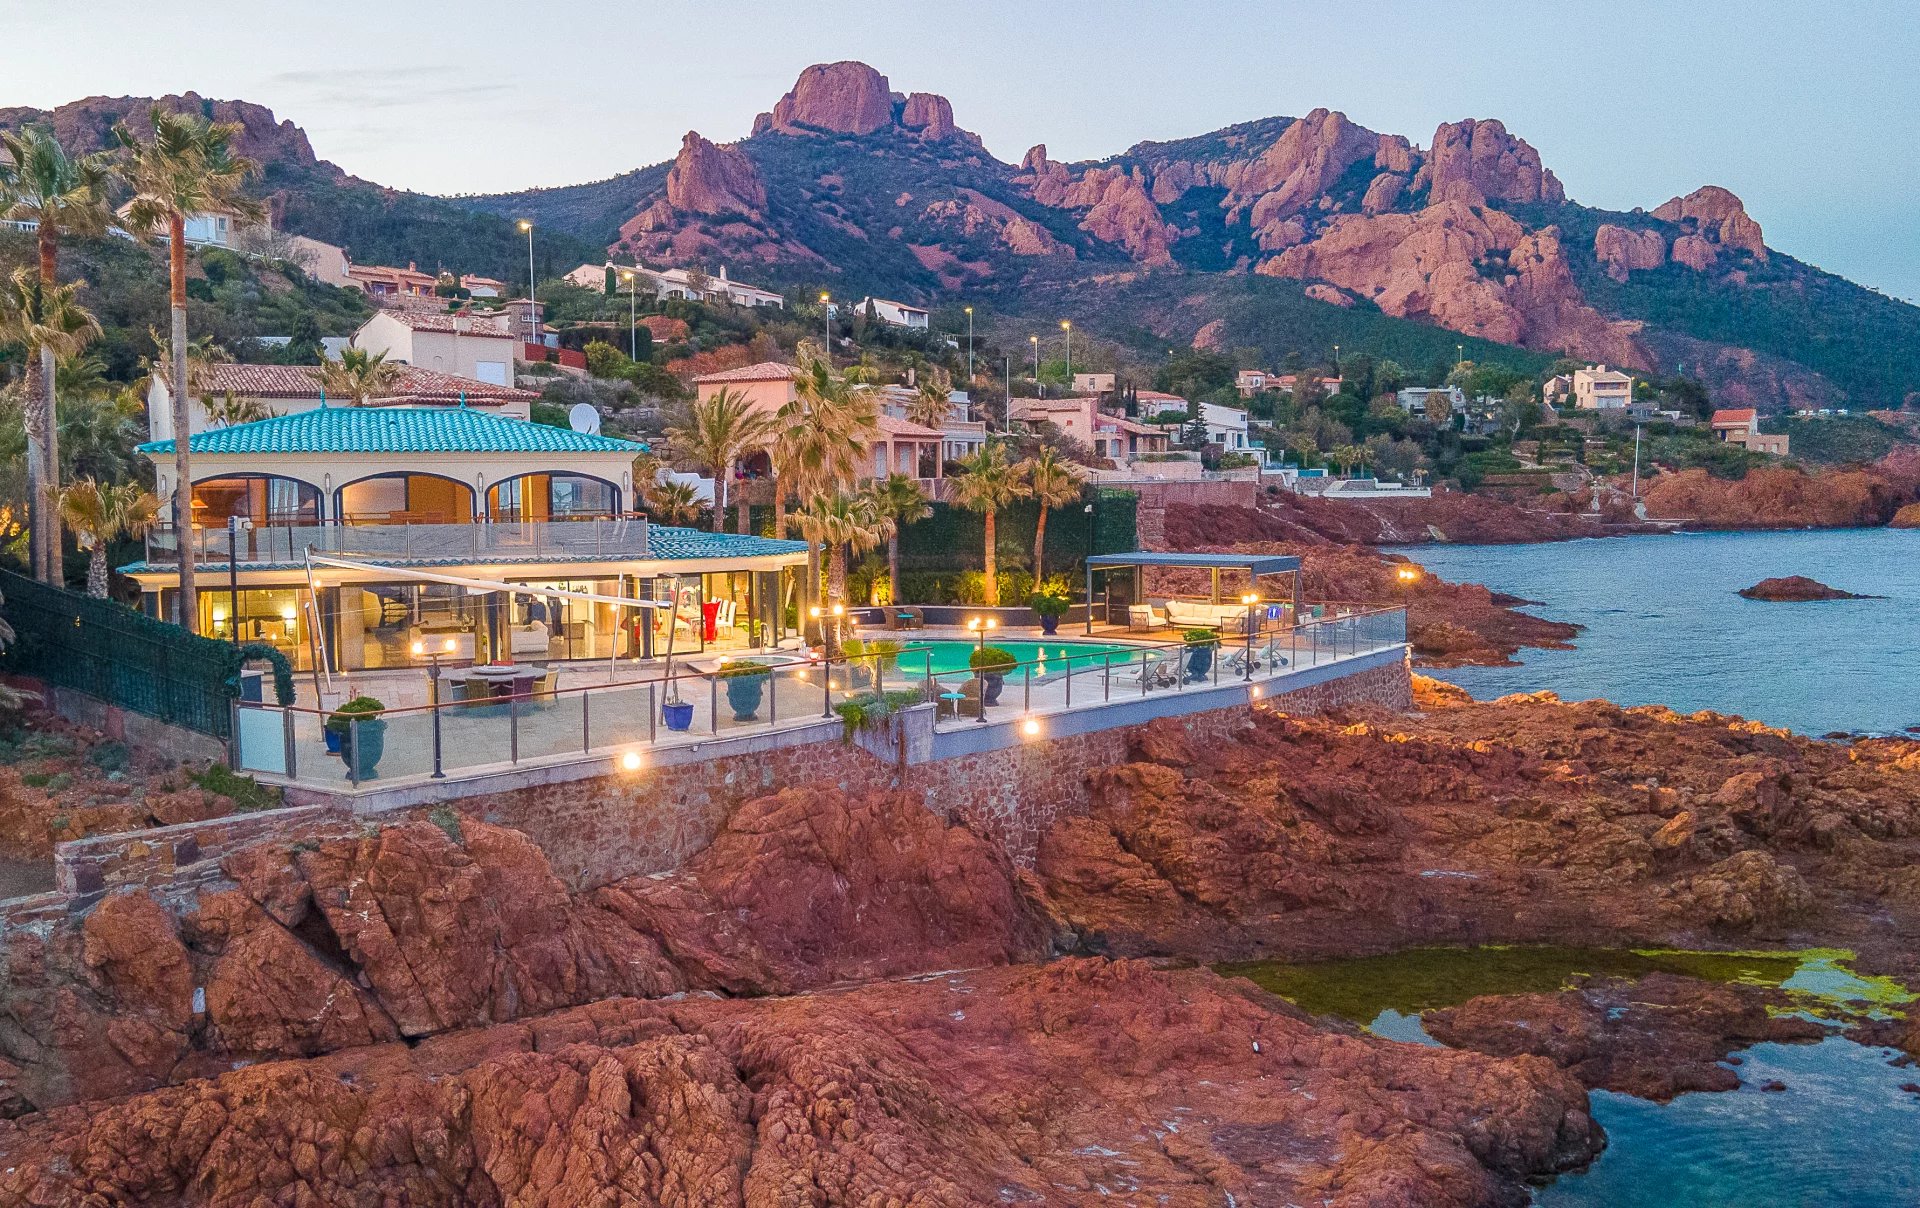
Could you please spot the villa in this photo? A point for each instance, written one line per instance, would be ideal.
(1741, 426)
(894, 314)
(900, 448)
(459, 343)
(665, 283)
(345, 535)
(1601, 389)
(1113, 437)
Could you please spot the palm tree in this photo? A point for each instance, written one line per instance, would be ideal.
(63, 195)
(841, 521)
(359, 377)
(930, 407)
(1053, 482)
(718, 432)
(50, 324)
(987, 483)
(899, 499)
(101, 515)
(820, 441)
(187, 167)
(98, 433)
(202, 355)
(675, 503)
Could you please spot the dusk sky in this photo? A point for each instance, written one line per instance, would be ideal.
(1808, 111)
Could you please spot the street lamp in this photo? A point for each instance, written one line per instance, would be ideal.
(1460, 353)
(1066, 325)
(826, 322)
(1336, 360)
(532, 328)
(1035, 341)
(433, 693)
(633, 315)
(1248, 601)
(969, 344)
(981, 626)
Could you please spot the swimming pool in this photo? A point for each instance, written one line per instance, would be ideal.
(1049, 658)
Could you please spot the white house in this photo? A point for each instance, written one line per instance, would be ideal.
(895, 314)
(1226, 426)
(1437, 403)
(664, 283)
(459, 344)
(291, 389)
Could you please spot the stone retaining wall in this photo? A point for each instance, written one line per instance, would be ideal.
(180, 856)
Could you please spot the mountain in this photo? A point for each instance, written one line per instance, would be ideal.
(310, 196)
(845, 181)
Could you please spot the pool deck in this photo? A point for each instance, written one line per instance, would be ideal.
(601, 714)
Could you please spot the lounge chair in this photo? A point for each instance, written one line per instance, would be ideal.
(904, 616)
(1157, 670)
(967, 703)
(1144, 616)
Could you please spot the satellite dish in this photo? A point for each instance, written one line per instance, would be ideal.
(581, 417)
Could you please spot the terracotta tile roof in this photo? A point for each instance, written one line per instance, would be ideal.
(1736, 415)
(443, 321)
(1158, 396)
(890, 426)
(765, 371)
(303, 381)
(1127, 425)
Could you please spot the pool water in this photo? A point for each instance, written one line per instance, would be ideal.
(1049, 658)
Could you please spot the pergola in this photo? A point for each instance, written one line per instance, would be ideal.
(1256, 566)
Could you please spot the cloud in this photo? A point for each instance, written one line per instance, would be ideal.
(380, 88)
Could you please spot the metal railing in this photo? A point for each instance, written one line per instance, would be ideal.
(521, 539)
(538, 721)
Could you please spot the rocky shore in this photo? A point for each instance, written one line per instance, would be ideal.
(1795, 589)
(424, 1012)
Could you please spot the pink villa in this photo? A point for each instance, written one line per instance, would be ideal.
(901, 447)
(1114, 437)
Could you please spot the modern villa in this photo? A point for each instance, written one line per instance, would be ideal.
(343, 535)
(900, 448)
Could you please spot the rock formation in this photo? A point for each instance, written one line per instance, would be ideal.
(1796, 588)
(844, 97)
(1625, 251)
(1038, 1085)
(87, 125)
(1788, 497)
(1115, 204)
(1478, 161)
(708, 179)
(1715, 215)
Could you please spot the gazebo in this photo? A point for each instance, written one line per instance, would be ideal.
(1255, 566)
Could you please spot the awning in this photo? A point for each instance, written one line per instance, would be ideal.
(409, 572)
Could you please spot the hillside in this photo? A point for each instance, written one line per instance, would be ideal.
(847, 181)
(310, 196)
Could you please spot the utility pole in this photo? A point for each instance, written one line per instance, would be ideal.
(633, 316)
(1636, 462)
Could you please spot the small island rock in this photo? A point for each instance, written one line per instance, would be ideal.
(1798, 587)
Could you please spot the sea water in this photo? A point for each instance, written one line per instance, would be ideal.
(1663, 624)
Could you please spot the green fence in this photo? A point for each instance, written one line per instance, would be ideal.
(120, 656)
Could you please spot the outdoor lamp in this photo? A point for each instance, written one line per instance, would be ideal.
(1249, 600)
(1031, 727)
(630, 762)
(1408, 574)
(418, 649)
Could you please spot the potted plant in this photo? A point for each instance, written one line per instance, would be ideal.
(746, 681)
(991, 663)
(1049, 605)
(1200, 644)
(869, 660)
(361, 733)
(677, 713)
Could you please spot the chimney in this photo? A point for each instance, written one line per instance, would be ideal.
(412, 267)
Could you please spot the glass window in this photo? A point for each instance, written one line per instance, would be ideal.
(406, 499)
(261, 498)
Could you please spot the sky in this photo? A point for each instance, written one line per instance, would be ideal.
(1810, 112)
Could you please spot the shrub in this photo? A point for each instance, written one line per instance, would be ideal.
(110, 757)
(870, 710)
(365, 708)
(448, 821)
(994, 660)
(740, 667)
(1199, 637)
(247, 794)
(1049, 603)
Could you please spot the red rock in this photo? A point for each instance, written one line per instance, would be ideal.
(844, 97)
(1028, 1084)
(1478, 161)
(1718, 215)
(1654, 1038)
(1382, 193)
(1784, 497)
(1696, 252)
(709, 179)
(1626, 251)
(930, 115)
(133, 951)
(1321, 292)
(1796, 588)
(1907, 517)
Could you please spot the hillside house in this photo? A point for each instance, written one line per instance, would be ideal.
(461, 344)
(379, 281)
(292, 389)
(894, 314)
(900, 448)
(665, 283)
(1437, 404)
(1598, 388)
(1093, 383)
(1113, 437)
(1250, 382)
(1741, 426)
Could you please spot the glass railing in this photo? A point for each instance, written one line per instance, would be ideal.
(530, 719)
(520, 539)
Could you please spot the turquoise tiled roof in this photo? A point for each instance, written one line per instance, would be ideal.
(395, 430)
(675, 543)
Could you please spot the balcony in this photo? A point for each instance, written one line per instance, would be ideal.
(498, 541)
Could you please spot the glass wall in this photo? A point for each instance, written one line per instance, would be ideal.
(262, 498)
(553, 627)
(375, 625)
(406, 499)
(257, 614)
(552, 497)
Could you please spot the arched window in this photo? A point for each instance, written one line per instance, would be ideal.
(405, 499)
(265, 499)
(552, 497)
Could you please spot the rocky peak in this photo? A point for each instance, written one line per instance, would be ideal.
(711, 179)
(1716, 216)
(852, 98)
(87, 125)
(1035, 160)
(1477, 161)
